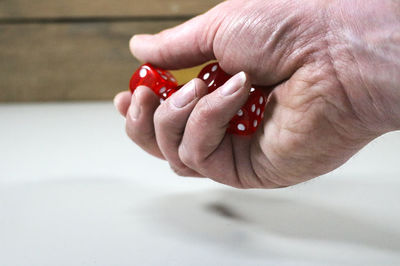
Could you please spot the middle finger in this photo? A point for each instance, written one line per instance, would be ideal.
(170, 122)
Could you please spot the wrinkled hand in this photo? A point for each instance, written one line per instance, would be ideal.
(335, 77)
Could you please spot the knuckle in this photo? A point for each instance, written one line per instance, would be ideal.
(177, 170)
(185, 156)
(181, 171)
(139, 135)
(164, 115)
(203, 113)
(292, 143)
(159, 114)
(130, 132)
(191, 159)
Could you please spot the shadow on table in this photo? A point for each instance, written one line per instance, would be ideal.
(224, 215)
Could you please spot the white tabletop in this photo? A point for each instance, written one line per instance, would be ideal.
(75, 191)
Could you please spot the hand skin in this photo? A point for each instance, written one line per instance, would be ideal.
(335, 69)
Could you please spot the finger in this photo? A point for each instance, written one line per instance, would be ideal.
(122, 101)
(139, 120)
(206, 128)
(170, 121)
(186, 45)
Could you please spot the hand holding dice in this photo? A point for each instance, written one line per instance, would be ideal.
(162, 82)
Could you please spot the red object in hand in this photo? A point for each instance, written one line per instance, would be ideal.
(244, 123)
(213, 76)
(160, 81)
(249, 117)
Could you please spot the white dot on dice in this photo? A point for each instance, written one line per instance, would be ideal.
(258, 111)
(143, 72)
(252, 90)
(241, 127)
(253, 108)
(214, 68)
(255, 123)
(162, 90)
(261, 100)
(164, 77)
(240, 112)
(206, 76)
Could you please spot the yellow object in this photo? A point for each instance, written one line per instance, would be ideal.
(185, 75)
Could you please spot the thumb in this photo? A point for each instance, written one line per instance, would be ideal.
(185, 45)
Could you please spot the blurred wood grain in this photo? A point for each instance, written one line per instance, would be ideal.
(44, 59)
(101, 8)
(55, 62)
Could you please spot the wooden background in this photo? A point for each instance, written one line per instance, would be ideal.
(57, 50)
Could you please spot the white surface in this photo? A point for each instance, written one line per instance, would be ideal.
(75, 191)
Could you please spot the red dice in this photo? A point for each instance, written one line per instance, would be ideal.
(213, 76)
(249, 117)
(244, 123)
(160, 81)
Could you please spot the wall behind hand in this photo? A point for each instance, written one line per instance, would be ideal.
(55, 50)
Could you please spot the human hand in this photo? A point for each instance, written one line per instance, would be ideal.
(329, 96)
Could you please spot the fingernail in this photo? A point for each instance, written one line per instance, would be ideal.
(134, 110)
(234, 84)
(185, 95)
